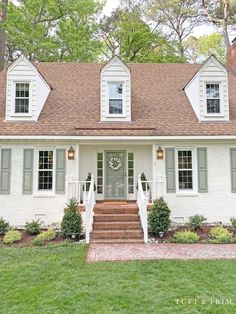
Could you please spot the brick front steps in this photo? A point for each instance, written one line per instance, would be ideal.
(116, 223)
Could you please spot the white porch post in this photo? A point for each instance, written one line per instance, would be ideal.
(154, 176)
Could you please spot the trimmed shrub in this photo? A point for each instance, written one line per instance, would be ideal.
(72, 220)
(12, 236)
(145, 185)
(4, 226)
(186, 236)
(196, 222)
(48, 235)
(159, 217)
(88, 182)
(233, 222)
(221, 235)
(33, 227)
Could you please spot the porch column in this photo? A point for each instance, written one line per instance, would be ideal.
(154, 176)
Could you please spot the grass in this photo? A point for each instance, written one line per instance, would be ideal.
(56, 279)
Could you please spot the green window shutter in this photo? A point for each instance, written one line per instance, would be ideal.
(60, 171)
(170, 170)
(28, 171)
(202, 170)
(233, 169)
(5, 176)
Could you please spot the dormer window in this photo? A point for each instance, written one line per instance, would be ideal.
(22, 98)
(115, 98)
(213, 98)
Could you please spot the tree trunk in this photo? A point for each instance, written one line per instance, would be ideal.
(3, 4)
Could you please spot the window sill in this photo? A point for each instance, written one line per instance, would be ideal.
(43, 195)
(187, 194)
(214, 115)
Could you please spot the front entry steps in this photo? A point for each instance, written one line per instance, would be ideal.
(116, 223)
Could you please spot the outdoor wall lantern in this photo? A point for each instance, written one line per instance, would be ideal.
(160, 153)
(71, 153)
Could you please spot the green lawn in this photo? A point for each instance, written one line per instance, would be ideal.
(56, 279)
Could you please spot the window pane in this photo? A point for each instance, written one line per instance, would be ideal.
(45, 180)
(115, 90)
(45, 173)
(131, 189)
(100, 172)
(99, 181)
(22, 105)
(99, 189)
(130, 172)
(22, 98)
(185, 159)
(100, 156)
(100, 164)
(185, 180)
(213, 106)
(212, 90)
(130, 156)
(115, 106)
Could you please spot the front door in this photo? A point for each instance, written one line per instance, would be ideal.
(115, 184)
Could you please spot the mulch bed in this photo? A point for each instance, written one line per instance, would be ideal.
(203, 233)
(27, 240)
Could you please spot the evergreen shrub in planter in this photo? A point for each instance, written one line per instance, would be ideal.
(71, 225)
(159, 217)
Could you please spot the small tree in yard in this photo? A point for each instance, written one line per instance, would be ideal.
(72, 220)
(159, 217)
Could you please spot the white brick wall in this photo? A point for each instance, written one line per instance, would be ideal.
(18, 208)
(219, 204)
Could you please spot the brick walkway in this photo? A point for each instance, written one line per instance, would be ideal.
(128, 252)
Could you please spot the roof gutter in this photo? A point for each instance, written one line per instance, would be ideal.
(116, 138)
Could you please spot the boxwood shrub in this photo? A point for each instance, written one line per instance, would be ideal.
(159, 217)
(186, 236)
(221, 235)
(12, 236)
(48, 235)
(4, 226)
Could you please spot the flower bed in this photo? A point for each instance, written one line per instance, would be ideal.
(204, 234)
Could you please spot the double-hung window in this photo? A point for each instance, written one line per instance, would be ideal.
(45, 170)
(185, 170)
(213, 98)
(22, 98)
(115, 91)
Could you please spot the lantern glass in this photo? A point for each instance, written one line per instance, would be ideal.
(160, 153)
(71, 153)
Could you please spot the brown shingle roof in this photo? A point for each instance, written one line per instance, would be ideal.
(159, 104)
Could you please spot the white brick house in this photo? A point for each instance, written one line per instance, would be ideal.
(115, 120)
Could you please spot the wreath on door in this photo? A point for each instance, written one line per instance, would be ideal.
(115, 163)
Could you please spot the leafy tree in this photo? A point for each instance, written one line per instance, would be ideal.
(3, 5)
(53, 30)
(221, 13)
(176, 18)
(126, 34)
(199, 49)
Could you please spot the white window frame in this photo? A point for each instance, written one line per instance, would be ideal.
(114, 115)
(13, 113)
(38, 192)
(221, 113)
(194, 171)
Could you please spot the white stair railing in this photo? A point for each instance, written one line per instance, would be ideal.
(142, 205)
(89, 205)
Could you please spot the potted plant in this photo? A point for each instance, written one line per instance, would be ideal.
(145, 186)
(86, 186)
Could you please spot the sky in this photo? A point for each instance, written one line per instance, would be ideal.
(198, 31)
